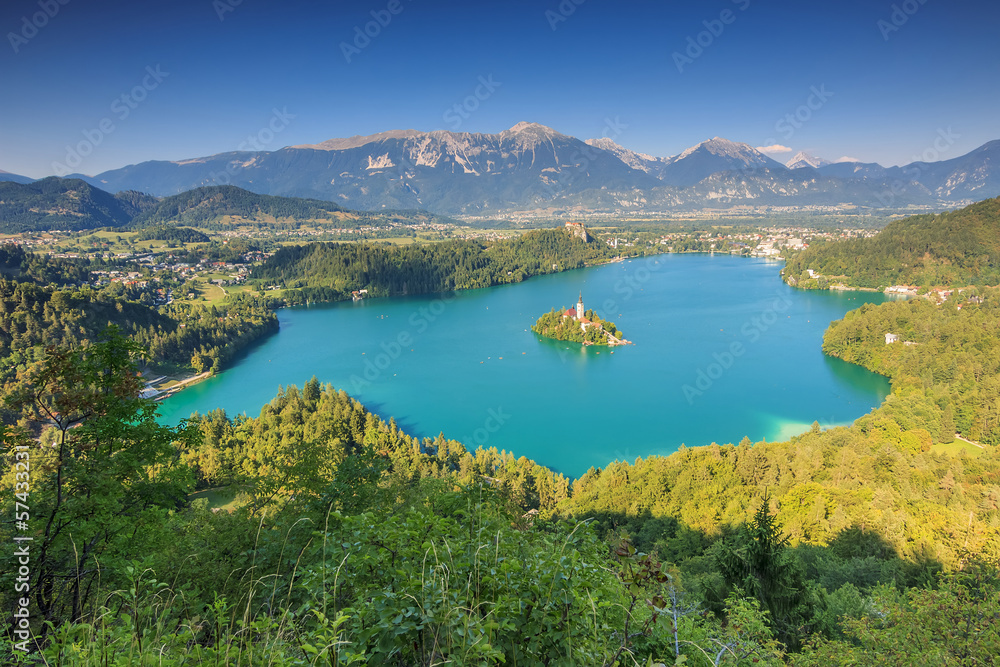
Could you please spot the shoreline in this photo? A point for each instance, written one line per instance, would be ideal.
(188, 381)
(782, 434)
(179, 383)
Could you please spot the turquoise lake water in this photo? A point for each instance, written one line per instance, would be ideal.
(722, 349)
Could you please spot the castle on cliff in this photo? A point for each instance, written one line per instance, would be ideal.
(578, 230)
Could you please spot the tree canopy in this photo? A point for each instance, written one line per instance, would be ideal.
(957, 248)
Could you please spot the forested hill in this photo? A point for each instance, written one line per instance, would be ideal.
(949, 355)
(330, 271)
(867, 504)
(41, 269)
(72, 204)
(172, 233)
(34, 317)
(957, 248)
(225, 206)
(45, 301)
(69, 204)
(203, 206)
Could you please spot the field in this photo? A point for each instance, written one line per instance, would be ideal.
(957, 448)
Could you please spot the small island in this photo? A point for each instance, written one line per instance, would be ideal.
(579, 326)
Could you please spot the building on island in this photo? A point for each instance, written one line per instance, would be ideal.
(566, 325)
(578, 314)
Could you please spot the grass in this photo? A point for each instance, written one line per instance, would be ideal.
(205, 294)
(956, 448)
(163, 246)
(216, 275)
(233, 290)
(80, 242)
(214, 295)
(398, 240)
(222, 497)
(111, 236)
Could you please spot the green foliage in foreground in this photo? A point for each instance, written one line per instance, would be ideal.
(958, 248)
(957, 622)
(100, 481)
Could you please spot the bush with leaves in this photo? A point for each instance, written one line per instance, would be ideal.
(101, 482)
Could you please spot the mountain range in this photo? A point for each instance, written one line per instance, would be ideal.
(803, 159)
(70, 204)
(533, 169)
(16, 178)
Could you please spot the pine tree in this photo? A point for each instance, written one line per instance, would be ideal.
(756, 562)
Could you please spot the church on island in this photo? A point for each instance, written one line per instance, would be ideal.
(580, 326)
(578, 314)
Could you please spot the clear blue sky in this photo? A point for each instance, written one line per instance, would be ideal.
(889, 97)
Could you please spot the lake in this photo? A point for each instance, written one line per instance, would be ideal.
(722, 349)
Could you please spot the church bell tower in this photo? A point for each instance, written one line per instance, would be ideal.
(579, 307)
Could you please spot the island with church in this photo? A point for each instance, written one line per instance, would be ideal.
(578, 325)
